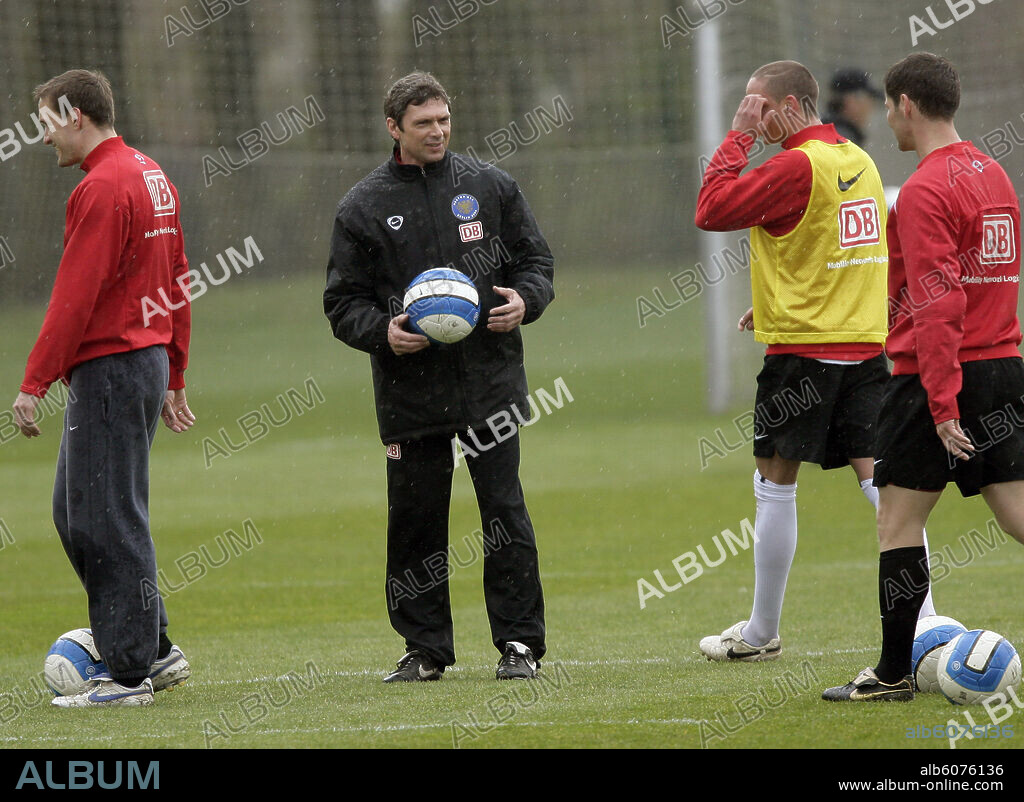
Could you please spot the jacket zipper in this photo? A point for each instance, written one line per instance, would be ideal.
(460, 365)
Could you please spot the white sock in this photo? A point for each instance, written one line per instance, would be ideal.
(928, 607)
(775, 533)
(870, 492)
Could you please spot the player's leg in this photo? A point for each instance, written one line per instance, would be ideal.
(903, 578)
(112, 413)
(775, 530)
(793, 407)
(1002, 470)
(864, 470)
(1006, 500)
(60, 491)
(909, 456)
(419, 474)
(512, 588)
(856, 418)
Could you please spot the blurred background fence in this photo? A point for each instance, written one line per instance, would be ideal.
(265, 112)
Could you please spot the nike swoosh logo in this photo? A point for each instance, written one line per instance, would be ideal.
(732, 654)
(845, 185)
(72, 428)
(99, 696)
(857, 694)
(425, 674)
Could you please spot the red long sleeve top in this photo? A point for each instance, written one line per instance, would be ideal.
(773, 196)
(954, 271)
(122, 246)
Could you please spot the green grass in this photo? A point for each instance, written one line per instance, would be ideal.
(615, 488)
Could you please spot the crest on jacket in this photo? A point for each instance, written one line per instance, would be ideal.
(465, 207)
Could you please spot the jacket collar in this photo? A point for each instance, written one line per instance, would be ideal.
(410, 172)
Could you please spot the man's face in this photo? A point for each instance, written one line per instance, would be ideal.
(859, 107)
(424, 134)
(776, 122)
(63, 136)
(895, 115)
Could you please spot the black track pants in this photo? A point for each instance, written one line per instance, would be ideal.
(419, 495)
(101, 501)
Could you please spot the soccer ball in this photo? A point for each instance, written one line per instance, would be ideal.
(442, 304)
(71, 662)
(933, 632)
(976, 666)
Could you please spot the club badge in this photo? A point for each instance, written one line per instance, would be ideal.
(465, 207)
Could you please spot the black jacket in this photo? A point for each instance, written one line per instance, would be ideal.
(398, 222)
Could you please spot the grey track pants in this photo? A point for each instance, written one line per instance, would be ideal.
(101, 501)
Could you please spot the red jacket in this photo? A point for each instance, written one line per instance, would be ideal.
(122, 244)
(954, 271)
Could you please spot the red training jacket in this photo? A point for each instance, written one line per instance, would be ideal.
(122, 244)
(954, 271)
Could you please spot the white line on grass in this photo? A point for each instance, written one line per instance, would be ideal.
(369, 672)
(627, 661)
(80, 739)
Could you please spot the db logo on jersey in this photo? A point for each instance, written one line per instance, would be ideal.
(394, 451)
(160, 192)
(471, 231)
(858, 223)
(998, 240)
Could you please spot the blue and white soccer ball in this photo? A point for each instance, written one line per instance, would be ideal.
(442, 304)
(71, 662)
(932, 634)
(976, 666)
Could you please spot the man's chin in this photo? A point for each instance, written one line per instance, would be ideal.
(432, 156)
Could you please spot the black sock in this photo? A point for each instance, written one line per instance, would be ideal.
(902, 587)
(131, 682)
(164, 648)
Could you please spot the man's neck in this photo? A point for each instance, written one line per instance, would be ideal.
(94, 138)
(934, 135)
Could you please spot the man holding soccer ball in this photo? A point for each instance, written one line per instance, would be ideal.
(427, 207)
(122, 243)
(954, 273)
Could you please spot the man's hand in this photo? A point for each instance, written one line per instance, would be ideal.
(746, 322)
(25, 414)
(751, 117)
(402, 341)
(176, 414)
(508, 316)
(953, 438)
(748, 115)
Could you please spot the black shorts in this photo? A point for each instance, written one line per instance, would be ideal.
(910, 453)
(817, 412)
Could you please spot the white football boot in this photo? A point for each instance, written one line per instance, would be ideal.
(730, 647)
(172, 670)
(108, 692)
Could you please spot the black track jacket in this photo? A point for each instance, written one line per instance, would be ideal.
(401, 220)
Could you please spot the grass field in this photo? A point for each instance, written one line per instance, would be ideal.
(615, 488)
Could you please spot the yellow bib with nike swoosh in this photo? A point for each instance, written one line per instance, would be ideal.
(825, 281)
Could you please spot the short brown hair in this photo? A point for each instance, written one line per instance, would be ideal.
(929, 80)
(88, 90)
(414, 89)
(782, 78)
